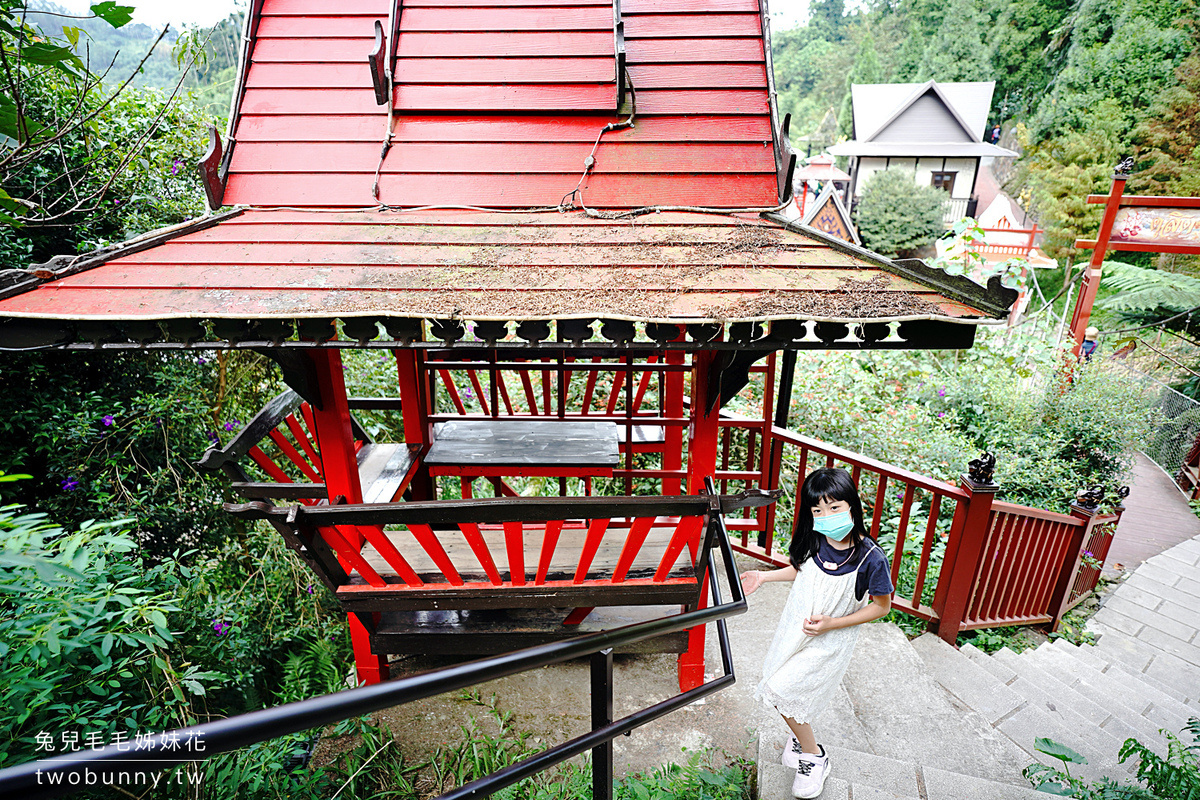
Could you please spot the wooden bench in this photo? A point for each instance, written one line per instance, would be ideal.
(547, 447)
(281, 442)
(445, 568)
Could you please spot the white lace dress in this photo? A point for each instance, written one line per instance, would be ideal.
(801, 672)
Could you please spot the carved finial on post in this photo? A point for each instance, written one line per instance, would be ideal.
(210, 170)
(1125, 166)
(1090, 497)
(1122, 493)
(982, 470)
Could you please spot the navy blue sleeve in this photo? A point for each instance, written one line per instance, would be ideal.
(874, 576)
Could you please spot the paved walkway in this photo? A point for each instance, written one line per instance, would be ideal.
(1156, 517)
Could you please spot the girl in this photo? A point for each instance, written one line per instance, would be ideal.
(835, 565)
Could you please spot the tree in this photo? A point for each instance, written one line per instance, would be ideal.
(1056, 176)
(866, 69)
(85, 163)
(1168, 138)
(827, 19)
(1023, 61)
(1126, 51)
(956, 52)
(896, 216)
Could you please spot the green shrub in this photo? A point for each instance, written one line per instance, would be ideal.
(896, 216)
(85, 643)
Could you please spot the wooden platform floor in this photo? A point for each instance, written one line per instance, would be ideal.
(1156, 518)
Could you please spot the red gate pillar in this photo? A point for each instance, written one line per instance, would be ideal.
(702, 463)
(339, 464)
(1091, 278)
(968, 536)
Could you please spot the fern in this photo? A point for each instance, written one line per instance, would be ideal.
(1178, 775)
(1149, 289)
(309, 672)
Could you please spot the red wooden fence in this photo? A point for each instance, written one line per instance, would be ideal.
(960, 559)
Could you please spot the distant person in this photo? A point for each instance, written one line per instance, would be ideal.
(840, 579)
(996, 134)
(1089, 343)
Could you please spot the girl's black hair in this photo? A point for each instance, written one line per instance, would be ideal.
(823, 484)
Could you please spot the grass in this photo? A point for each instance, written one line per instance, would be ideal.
(373, 767)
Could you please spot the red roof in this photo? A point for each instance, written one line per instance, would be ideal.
(502, 101)
(667, 267)
(497, 105)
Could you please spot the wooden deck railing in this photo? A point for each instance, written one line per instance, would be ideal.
(959, 559)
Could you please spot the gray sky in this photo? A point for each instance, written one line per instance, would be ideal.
(786, 13)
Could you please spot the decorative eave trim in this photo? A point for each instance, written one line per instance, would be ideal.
(994, 299)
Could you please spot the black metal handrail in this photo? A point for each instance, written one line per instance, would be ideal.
(31, 780)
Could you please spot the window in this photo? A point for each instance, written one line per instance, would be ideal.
(943, 180)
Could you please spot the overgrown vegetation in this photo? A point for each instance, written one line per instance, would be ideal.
(1176, 777)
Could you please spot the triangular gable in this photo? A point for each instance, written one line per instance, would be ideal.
(829, 214)
(962, 107)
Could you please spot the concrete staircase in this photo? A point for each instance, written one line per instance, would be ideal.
(921, 720)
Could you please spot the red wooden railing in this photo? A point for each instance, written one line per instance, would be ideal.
(960, 560)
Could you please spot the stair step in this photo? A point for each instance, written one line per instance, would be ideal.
(987, 662)
(777, 785)
(908, 716)
(1055, 687)
(1173, 674)
(1119, 700)
(1099, 748)
(1164, 711)
(943, 785)
(966, 680)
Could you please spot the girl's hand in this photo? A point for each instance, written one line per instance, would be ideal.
(751, 581)
(818, 624)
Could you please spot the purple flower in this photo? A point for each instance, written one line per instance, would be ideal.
(176, 165)
(201, 360)
(942, 392)
(1088, 554)
(107, 420)
(233, 426)
(941, 413)
(212, 437)
(221, 627)
(69, 485)
(310, 588)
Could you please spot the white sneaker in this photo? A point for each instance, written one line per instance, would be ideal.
(811, 773)
(791, 753)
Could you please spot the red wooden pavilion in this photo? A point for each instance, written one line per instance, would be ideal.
(560, 217)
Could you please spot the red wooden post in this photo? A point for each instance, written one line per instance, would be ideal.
(1091, 279)
(673, 434)
(702, 463)
(964, 553)
(413, 382)
(1060, 597)
(335, 441)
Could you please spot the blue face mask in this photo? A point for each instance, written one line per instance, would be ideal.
(835, 526)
